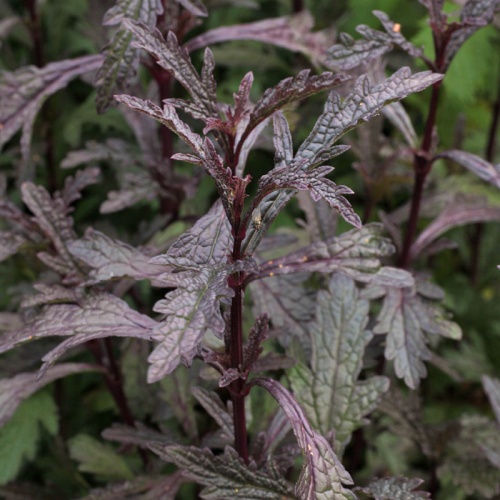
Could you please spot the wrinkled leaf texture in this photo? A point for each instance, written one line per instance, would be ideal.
(394, 488)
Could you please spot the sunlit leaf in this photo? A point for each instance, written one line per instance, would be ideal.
(394, 488)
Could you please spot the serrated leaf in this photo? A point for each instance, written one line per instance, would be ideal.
(112, 259)
(322, 473)
(329, 391)
(492, 387)
(487, 171)
(350, 54)
(74, 185)
(225, 477)
(23, 92)
(120, 58)
(189, 311)
(394, 488)
(139, 435)
(292, 89)
(290, 32)
(405, 315)
(175, 59)
(18, 388)
(20, 436)
(101, 315)
(97, 458)
(10, 243)
(196, 7)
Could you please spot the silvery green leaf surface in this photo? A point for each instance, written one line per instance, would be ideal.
(486, 170)
(322, 476)
(209, 241)
(475, 14)
(23, 92)
(168, 117)
(349, 53)
(100, 315)
(321, 222)
(330, 392)
(292, 89)
(112, 259)
(365, 101)
(225, 477)
(293, 33)
(492, 387)
(405, 317)
(16, 389)
(394, 488)
(189, 311)
(121, 59)
(174, 58)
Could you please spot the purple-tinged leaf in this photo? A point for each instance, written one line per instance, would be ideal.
(23, 92)
(50, 216)
(398, 116)
(405, 315)
(454, 215)
(209, 241)
(480, 167)
(6, 24)
(52, 294)
(290, 305)
(292, 33)
(394, 488)
(320, 221)
(114, 151)
(121, 59)
(242, 97)
(10, 243)
(16, 389)
(214, 406)
(330, 392)
(364, 102)
(175, 59)
(112, 259)
(322, 476)
(475, 14)
(168, 117)
(73, 186)
(492, 387)
(350, 54)
(247, 146)
(225, 476)
(189, 311)
(99, 316)
(292, 89)
(256, 336)
(196, 7)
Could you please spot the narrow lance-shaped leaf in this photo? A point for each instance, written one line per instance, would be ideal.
(322, 476)
(291, 32)
(350, 53)
(16, 389)
(329, 391)
(492, 387)
(394, 488)
(120, 58)
(22, 93)
(174, 58)
(486, 170)
(226, 476)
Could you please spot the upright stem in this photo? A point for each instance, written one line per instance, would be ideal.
(236, 349)
(422, 164)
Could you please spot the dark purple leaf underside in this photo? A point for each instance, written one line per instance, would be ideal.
(16, 389)
(22, 93)
(121, 59)
(322, 476)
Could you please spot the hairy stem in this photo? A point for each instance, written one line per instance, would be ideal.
(422, 164)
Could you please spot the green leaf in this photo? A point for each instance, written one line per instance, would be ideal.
(98, 458)
(20, 436)
(330, 392)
